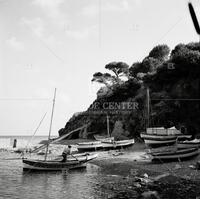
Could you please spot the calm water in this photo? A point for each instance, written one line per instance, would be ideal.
(83, 183)
(22, 141)
(77, 184)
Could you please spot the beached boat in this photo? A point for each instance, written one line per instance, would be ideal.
(90, 146)
(159, 141)
(118, 144)
(105, 142)
(188, 144)
(104, 138)
(162, 133)
(156, 136)
(175, 155)
(105, 145)
(73, 162)
(89, 143)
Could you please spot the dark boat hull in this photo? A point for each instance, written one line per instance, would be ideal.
(182, 154)
(42, 165)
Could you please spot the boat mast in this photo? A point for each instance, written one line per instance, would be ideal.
(50, 124)
(148, 107)
(108, 127)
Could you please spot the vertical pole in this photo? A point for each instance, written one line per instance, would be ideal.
(50, 125)
(148, 107)
(108, 127)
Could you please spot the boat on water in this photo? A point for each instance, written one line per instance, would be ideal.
(174, 155)
(72, 162)
(188, 144)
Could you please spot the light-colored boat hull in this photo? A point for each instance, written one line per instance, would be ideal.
(107, 145)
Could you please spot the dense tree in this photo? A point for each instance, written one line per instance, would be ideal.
(136, 68)
(160, 52)
(103, 78)
(118, 68)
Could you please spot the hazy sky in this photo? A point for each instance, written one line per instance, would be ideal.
(61, 43)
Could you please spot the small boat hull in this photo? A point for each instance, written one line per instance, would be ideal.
(159, 141)
(163, 136)
(118, 144)
(89, 147)
(182, 154)
(107, 145)
(54, 165)
(183, 145)
(104, 138)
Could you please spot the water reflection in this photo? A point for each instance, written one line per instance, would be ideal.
(81, 183)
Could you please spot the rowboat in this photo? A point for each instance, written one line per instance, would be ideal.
(118, 144)
(156, 141)
(103, 138)
(105, 145)
(181, 154)
(90, 146)
(188, 144)
(89, 143)
(145, 135)
(73, 162)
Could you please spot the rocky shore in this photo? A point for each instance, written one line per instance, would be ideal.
(143, 179)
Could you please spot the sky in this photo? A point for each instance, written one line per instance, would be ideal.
(47, 44)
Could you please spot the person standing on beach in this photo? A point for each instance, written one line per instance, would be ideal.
(67, 151)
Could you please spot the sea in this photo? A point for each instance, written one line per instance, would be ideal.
(75, 184)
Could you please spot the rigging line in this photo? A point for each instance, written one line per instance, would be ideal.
(36, 130)
(45, 45)
(170, 29)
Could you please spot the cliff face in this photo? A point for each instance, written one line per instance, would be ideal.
(174, 83)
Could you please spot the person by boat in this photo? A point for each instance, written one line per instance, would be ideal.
(67, 151)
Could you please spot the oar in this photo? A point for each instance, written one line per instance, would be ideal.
(75, 157)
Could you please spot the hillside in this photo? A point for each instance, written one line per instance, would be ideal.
(173, 78)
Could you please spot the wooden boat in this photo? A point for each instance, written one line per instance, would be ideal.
(118, 144)
(181, 154)
(160, 141)
(156, 136)
(89, 146)
(103, 138)
(89, 143)
(104, 143)
(188, 144)
(76, 161)
(73, 162)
